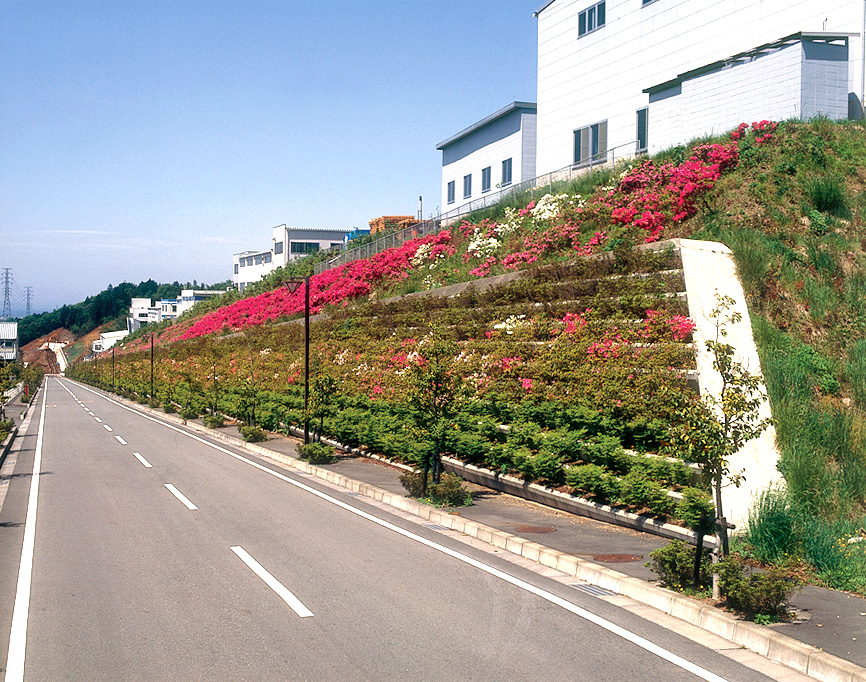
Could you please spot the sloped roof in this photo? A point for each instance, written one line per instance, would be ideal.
(531, 106)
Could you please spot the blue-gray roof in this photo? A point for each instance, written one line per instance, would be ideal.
(529, 106)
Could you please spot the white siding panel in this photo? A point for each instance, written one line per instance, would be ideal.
(602, 76)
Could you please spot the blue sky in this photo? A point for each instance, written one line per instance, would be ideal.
(155, 139)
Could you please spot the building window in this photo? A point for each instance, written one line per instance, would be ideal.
(467, 186)
(236, 268)
(590, 19)
(267, 257)
(303, 247)
(506, 172)
(451, 192)
(485, 179)
(590, 144)
(278, 248)
(641, 135)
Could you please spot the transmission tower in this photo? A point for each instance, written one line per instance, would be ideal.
(7, 290)
(29, 298)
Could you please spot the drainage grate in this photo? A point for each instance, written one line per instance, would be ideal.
(594, 590)
(436, 526)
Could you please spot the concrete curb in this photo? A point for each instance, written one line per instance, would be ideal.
(7, 444)
(775, 646)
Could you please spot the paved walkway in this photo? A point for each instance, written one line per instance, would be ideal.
(830, 620)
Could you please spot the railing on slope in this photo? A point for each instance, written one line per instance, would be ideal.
(542, 182)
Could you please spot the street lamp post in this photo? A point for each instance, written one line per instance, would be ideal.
(292, 285)
(151, 367)
(113, 372)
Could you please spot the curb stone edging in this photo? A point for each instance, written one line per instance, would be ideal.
(768, 643)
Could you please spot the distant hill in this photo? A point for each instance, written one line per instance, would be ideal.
(108, 308)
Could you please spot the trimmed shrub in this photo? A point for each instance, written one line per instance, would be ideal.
(449, 492)
(253, 434)
(317, 453)
(753, 592)
(593, 481)
(674, 564)
(169, 408)
(637, 491)
(213, 421)
(696, 510)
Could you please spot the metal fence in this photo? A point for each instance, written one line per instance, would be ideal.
(539, 185)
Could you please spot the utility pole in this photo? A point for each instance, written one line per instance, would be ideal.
(7, 290)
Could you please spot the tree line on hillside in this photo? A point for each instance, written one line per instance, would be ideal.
(109, 305)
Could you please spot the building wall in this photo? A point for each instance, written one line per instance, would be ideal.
(249, 267)
(601, 75)
(509, 137)
(797, 80)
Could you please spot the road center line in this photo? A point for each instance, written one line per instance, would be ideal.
(179, 495)
(21, 610)
(121, 441)
(284, 594)
(106, 427)
(142, 460)
(603, 623)
(98, 419)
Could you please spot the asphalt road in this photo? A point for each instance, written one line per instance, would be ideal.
(157, 555)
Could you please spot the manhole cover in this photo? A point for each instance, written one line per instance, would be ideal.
(616, 558)
(536, 529)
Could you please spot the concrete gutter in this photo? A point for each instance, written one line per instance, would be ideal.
(765, 641)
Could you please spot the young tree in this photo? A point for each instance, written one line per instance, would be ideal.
(323, 391)
(713, 428)
(434, 392)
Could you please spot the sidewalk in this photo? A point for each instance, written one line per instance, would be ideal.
(833, 622)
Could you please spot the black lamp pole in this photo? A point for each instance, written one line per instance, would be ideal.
(151, 366)
(292, 285)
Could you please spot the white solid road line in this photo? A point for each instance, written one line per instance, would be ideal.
(121, 441)
(603, 623)
(179, 495)
(284, 594)
(142, 460)
(21, 611)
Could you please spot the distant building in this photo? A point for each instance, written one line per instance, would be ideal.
(489, 155)
(188, 298)
(391, 222)
(287, 243)
(107, 339)
(8, 341)
(144, 311)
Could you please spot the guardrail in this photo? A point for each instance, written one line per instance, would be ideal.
(542, 182)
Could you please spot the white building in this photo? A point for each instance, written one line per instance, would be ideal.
(188, 298)
(107, 339)
(287, 243)
(9, 341)
(489, 155)
(621, 76)
(144, 311)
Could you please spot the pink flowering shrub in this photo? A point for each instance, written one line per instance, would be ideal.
(333, 286)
